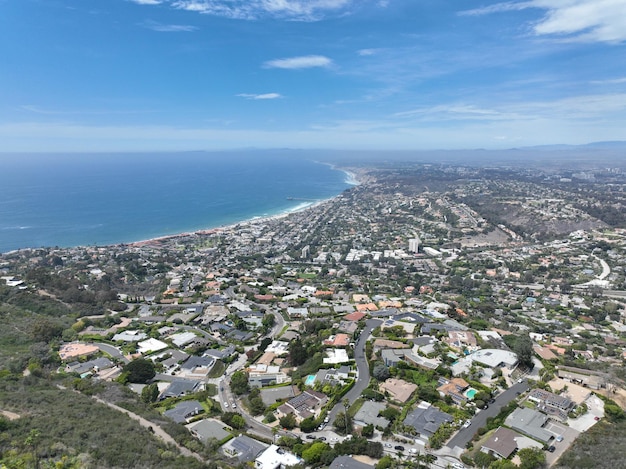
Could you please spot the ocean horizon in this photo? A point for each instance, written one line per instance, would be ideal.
(67, 200)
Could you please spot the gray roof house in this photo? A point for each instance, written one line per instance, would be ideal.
(531, 423)
(368, 415)
(426, 419)
(208, 428)
(347, 462)
(183, 411)
(180, 387)
(244, 448)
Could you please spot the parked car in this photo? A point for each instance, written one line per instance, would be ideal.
(559, 438)
(551, 448)
(467, 423)
(398, 448)
(310, 437)
(322, 438)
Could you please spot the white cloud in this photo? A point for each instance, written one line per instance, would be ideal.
(306, 61)
(147, 2)
(168, 28)
(599, 106)
(298, 10)
(574, 20)
(260, 96)
(367, 52)
(613, 81)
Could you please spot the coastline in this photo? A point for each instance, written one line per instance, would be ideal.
(49, 232)
(351, 175)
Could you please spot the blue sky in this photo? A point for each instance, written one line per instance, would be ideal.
(129, 75)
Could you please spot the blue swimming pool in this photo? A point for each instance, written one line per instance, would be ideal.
(309, 380)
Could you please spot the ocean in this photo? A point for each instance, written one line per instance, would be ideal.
(101, 199)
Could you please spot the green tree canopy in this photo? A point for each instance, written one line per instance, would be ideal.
(239, 383)
(139, 370)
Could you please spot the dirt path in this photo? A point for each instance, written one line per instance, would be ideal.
(158, 431)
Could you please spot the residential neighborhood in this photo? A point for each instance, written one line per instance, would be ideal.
(392, 323)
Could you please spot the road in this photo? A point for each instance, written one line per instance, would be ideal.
(363, 371)
(480, 419)
(112, 351)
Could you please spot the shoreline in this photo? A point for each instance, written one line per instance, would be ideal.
(350, 179)
(351, 176)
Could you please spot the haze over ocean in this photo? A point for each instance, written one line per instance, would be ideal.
(100, 199)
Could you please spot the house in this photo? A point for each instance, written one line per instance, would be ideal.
(275, 457)
(426, 419)
(339, 340)
(180, 387)
(501, 444)
(551, 404)
(150, 345)
(197, 367)
(129, 336)
(304, 405)
(530, 422)
(454, 388)
(183, 411)
(348, 462)
(263, 375)
(495, 358)
(368, 415)
(461, 339)
(183, 338)
(398, 389)
(208, 429)
(244, 448)
(96, 365)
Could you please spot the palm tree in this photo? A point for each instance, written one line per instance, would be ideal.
(346, 404)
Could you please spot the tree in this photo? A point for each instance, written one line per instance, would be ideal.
(297, 352)
(523, 347)
(380, 371)
(150, 393)
(531, 458)
(288, 421)
(239, 383)
(257, 407)
(368, 431)
(313, 453)
(307, 425)
(139, 371)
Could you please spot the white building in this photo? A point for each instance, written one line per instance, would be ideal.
(414, 245)
(275, 458)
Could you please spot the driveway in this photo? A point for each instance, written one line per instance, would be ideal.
(363, 371)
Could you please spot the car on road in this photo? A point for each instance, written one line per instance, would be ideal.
(466, 424)
(398, 448)
(322, 438)
(310, 437)
(596, 418)
(491, 401)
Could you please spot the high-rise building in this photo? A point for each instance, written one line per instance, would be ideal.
(414, 245)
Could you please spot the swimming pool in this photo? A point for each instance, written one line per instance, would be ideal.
(470, 393)
(309, 380)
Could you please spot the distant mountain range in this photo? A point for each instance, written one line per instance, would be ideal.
(612, 145)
